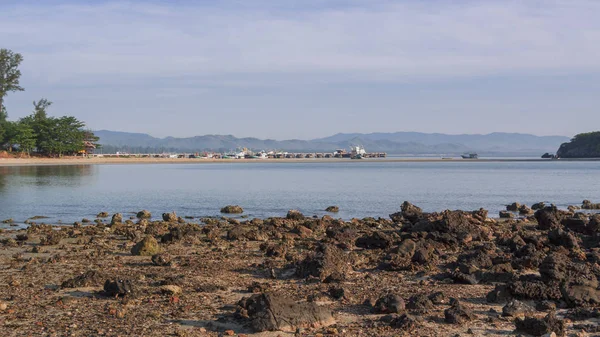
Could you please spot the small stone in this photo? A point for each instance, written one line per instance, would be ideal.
(162, 259)
(229, 332)
(171, 290)
(3, 305)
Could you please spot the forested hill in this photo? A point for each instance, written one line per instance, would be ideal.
(583, 145)
(501, 144)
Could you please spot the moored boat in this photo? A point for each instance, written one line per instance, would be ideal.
(469, 156)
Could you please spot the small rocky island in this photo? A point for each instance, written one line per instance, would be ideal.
(583, 145)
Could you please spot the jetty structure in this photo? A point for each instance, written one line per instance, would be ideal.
(356, 152)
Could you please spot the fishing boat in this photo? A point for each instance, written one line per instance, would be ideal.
(469, 156)
(357, 152)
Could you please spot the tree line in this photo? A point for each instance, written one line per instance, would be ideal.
(38, 132)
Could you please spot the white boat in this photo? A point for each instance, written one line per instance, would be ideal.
(357, 152)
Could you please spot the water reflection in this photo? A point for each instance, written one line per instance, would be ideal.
(61, 175)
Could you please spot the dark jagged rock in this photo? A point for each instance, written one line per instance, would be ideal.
(246, 233)
(102, 215)
(463, 278)
(337, 292)
(466, 226)
(479, 259)
(560, 237)
(581, 296)
(506, 215)
(457, 313)
(273, 250)
(586, 204)
(545, 306)
(294, 215)
(117, 218)
(538, 205)
(500, 294)
(344, 236)
(516, 308)
(580, 223)
(170, 217)
(514, 207)
(335, 277)
(119, 287)
(424, 255)
(406, 322)
(375, 240)
(438, 298)
(524, 210)
(530, 288)
(540, 326)
(332, 209)
(420, 303)
(161, 259)
(400, 257)
(269, 312)
(549, 217)
(51, 239)
(88, 279)
(178, 233)
(144, 214)
(325, 260)
(411, 212)
(232, 209)
(389, 304)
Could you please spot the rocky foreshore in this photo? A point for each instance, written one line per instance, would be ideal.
(449, 273)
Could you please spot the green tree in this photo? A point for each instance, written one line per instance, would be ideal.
(9, 73)
(3, 114)
(39, 109)
(24, 137)
(10, 135)
(3, 126)
(61, 136)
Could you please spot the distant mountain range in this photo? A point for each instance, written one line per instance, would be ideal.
(405, 143)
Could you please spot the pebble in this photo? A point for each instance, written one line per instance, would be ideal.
(171, 290)
(3, 306)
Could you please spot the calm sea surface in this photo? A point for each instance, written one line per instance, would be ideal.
(360, 189)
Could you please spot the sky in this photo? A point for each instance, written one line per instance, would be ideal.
(286, 69)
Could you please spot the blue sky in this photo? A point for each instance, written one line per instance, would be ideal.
(306, 69)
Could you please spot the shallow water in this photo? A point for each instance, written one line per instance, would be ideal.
(360, 189)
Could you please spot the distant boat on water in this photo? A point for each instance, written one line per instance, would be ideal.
(469, 156)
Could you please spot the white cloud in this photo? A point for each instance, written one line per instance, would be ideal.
(363, 41)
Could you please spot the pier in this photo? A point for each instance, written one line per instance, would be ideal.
(214, 155)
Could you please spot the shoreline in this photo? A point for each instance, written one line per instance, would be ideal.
(322, 277)
(5, 162)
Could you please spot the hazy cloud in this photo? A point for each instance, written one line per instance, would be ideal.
(186, 48)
